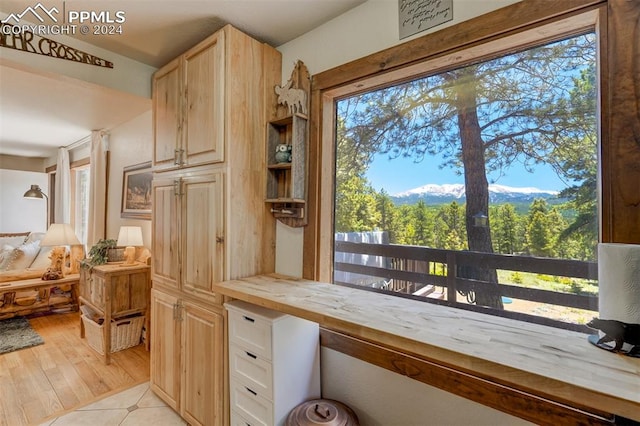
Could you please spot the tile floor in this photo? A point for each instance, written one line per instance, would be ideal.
(137, 406)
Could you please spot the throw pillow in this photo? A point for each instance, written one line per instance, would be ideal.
(23, 256)
(5, 256)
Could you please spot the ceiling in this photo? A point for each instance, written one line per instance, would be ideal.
(40, 112)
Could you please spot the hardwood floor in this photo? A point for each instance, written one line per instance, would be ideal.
(63, 373)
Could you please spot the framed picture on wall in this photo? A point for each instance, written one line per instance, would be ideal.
(136, 191)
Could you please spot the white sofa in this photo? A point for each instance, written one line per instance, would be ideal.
(21, 256)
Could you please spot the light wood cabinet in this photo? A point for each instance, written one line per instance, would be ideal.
(187, 358)
(210, 222)
(167, 115)
(115, 291)
(189, 107)
(165, 348)
(189, 237)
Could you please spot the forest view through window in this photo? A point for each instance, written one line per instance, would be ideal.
(476, 186)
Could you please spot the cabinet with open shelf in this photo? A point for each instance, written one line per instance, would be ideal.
(287, 136)
(286, 179)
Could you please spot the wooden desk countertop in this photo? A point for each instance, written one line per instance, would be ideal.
(545, 360)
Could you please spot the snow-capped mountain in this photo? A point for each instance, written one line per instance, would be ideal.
(446, 193)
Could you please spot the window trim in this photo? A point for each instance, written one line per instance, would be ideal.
(75, 167)
(497, 29)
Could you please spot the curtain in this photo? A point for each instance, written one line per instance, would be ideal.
(62, 204)
(98, 187)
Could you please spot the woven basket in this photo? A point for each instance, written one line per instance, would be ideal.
(125, 333)
(115, 255)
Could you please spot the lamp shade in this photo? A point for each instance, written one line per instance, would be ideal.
(130, 236)
(60, 234)
(35, 192)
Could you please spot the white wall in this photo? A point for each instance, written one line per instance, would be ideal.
(366, 29)
(378, 396)
(129, 144)
(19, 214)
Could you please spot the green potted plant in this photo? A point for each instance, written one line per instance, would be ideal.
(99, 253)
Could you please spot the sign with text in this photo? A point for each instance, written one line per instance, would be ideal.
(17, 38)
(418, 15)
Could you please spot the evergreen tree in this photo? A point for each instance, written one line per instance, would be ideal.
(423, 235)
(578, 163)
(505, 228)
(357, 202)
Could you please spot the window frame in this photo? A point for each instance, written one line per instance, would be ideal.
(521, 25)
(75, 167)
(83, 163)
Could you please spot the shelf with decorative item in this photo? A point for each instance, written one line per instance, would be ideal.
(287, 140)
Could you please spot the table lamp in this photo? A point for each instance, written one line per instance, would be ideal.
(58, 235)
(130, 236)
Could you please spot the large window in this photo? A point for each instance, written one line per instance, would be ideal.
(80, 201)
(472, 180)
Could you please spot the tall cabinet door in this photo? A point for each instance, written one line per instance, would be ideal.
(165, 253)
(202, 369)
(203, 234)
(204, 96)
(165, 348)
(167, 115)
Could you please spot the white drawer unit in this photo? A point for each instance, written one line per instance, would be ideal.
(274, 364)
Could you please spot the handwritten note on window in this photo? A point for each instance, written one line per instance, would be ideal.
(418, 15)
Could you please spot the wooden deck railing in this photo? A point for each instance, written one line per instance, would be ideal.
(408, 269)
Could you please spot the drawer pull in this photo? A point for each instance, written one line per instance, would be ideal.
(253, 392)
(248, 318)
(249, 354)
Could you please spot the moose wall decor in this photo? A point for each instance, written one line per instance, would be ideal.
(293, 94)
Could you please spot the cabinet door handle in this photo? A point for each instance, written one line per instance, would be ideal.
(177, 311)
(177, 187)
(178, 157)
(253, 392)
(246, 318)
(250, 355)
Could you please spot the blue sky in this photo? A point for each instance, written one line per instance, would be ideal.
(401, 174)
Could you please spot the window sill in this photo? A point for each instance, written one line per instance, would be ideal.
(550, 363)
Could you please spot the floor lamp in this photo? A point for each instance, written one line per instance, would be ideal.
(36, 192)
